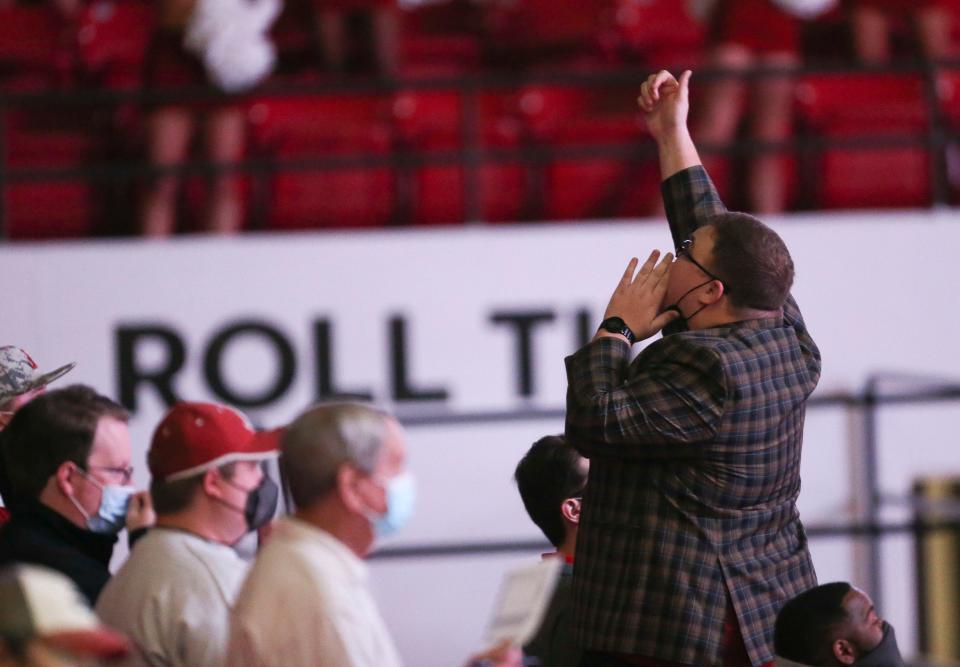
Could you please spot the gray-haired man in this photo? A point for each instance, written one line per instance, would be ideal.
(306, 600)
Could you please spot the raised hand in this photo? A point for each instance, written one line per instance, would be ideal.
(665, 102)
(637, 299)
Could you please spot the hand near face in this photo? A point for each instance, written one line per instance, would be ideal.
(140, 512)
(665, 102)
(638, 297)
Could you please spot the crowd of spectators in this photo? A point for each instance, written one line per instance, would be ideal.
(244, 155)
(670, 499)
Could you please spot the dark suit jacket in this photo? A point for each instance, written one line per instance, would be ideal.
(694, 474)
(36, 534)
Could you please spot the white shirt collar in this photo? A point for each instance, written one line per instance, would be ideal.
(296, 530)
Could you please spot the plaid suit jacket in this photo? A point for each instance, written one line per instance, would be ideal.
(694, 474)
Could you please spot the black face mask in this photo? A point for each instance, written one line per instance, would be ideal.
(261, 503)
(886, 654)
(675, 306)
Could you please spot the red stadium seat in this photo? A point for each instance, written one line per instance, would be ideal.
(113, 36)
(300, 129)
(575, 119)
(32, 47)
(867, 107)
(430, 122)
(57, 208)
(863, 104)
(662, 33)
(534, 28)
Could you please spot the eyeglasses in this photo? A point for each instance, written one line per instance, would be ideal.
(683, 250)
(124, 473)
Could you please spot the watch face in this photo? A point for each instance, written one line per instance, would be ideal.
(618, 326)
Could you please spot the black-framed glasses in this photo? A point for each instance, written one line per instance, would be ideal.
(124, 473)
(683, 250)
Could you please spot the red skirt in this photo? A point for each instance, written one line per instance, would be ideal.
(757, 25)
(169, 66)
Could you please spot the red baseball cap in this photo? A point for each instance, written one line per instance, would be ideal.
(195, 437)
(38, 603)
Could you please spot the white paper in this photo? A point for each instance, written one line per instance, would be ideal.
(522, 601)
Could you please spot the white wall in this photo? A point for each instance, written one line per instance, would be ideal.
(877, 292)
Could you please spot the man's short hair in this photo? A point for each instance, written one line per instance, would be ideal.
(322, 439)
(173, 496)
(752, 260)
(53, 428)
(806, 625)
(549, 473)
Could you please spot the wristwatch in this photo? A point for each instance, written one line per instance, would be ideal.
(618, 326)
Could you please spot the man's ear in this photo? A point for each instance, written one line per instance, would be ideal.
(210, 485)
(64, 477)
(570, 509)
(843, 651)
(714, 292)
(349, 481)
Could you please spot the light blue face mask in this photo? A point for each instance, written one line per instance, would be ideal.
(111, 516)
(401, 499)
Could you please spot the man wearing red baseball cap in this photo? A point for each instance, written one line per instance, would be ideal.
(173, 595)
(46, 622)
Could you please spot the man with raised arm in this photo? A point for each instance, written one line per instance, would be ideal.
(690, 540)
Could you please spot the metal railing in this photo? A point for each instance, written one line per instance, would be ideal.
(472, 155)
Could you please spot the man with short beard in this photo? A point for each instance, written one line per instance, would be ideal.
(834, 625)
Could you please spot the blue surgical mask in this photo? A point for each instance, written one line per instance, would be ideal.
(401, 498)
(111, 516)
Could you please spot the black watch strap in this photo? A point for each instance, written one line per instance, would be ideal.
(618, 326)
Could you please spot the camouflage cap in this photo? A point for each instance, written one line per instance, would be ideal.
(19, 373)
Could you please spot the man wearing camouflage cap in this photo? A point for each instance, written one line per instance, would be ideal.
(20, 381)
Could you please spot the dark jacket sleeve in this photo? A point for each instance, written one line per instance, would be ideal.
(690, 200)
(673, 395)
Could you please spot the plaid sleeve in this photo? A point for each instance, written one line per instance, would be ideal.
(793, 318)
(675, 399)
(690, 200)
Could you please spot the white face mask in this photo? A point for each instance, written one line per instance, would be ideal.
(111, 516)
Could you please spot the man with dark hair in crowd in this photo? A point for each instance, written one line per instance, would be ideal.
(831, 626)
(307, 601)
(551, 477)
(20, 381)
(690, 536)
(173, 595)
(67, 459)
